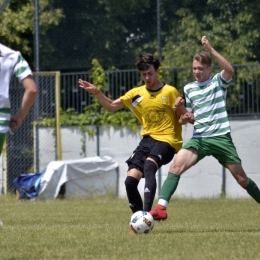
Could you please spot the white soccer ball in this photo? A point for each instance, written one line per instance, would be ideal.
(141, 222)
(1, 224)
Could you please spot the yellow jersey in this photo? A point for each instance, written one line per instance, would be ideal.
(155, 111)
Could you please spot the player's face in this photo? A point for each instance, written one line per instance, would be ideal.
(201, 72)
(150, 77)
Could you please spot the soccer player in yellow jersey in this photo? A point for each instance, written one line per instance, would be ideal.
(153, 105)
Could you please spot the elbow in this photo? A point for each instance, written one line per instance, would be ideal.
(110, 109)
(34, 92)
(231, 71)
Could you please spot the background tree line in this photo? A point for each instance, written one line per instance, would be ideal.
(73, 33)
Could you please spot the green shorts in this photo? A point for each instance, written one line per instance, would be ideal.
(221, 147)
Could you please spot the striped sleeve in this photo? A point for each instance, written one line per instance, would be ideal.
(223, 82)
(21, 68)
(188, 104)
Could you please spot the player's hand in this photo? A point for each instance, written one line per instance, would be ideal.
(88, 86)
(16, 121)
(187, 117)
(190, 116)
(179, 102)
(206, 43)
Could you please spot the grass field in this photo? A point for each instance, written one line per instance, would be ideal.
(96, 228)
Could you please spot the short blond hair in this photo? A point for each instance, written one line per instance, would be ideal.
(203, 57)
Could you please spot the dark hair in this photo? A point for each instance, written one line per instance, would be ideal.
(203, 57)
(145, 60)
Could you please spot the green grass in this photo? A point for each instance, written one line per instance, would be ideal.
(96, 228)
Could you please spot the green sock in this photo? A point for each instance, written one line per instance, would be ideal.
(253, 190)
(169, 186)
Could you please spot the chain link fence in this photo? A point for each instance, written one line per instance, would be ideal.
(21, 152)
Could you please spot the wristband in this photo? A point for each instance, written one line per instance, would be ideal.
(97, 93)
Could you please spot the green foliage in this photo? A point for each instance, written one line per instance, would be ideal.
(98, 77)
(17, 26)
(232, 30)
(228, 26)
(130, 27)
(91, 117)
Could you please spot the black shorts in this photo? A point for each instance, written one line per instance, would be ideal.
(161, 152)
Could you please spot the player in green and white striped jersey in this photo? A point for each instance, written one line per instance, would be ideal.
(206, 109)
(206, 100)
(12, 63)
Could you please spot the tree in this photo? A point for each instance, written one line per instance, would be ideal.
(111, 31)
(17, 25)
(230, 26)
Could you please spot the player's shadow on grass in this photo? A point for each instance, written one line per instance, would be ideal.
(174, 231)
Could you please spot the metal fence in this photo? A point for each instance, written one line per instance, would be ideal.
(242, 96)
(60, 91)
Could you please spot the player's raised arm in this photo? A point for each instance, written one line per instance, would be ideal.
(227, 68)
(109, 104)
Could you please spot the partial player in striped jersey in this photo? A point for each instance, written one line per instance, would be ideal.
(205, 100)
(12, 63)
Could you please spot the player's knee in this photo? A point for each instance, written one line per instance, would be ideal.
(176, 169)
(131, 182)
(239, 174)
(155, 160)
(243, 182)
(150, 168)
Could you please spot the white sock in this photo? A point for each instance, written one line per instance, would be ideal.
(163, 202)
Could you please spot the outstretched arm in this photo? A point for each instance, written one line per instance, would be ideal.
(109, 104)
(227, 69)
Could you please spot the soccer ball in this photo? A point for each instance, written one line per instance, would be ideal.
(141, 222)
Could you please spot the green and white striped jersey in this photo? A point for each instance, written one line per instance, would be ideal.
(11, 64)
(207, 100)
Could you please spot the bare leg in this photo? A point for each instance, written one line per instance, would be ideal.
(245, 182)
(183, 161)
(239, 174)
